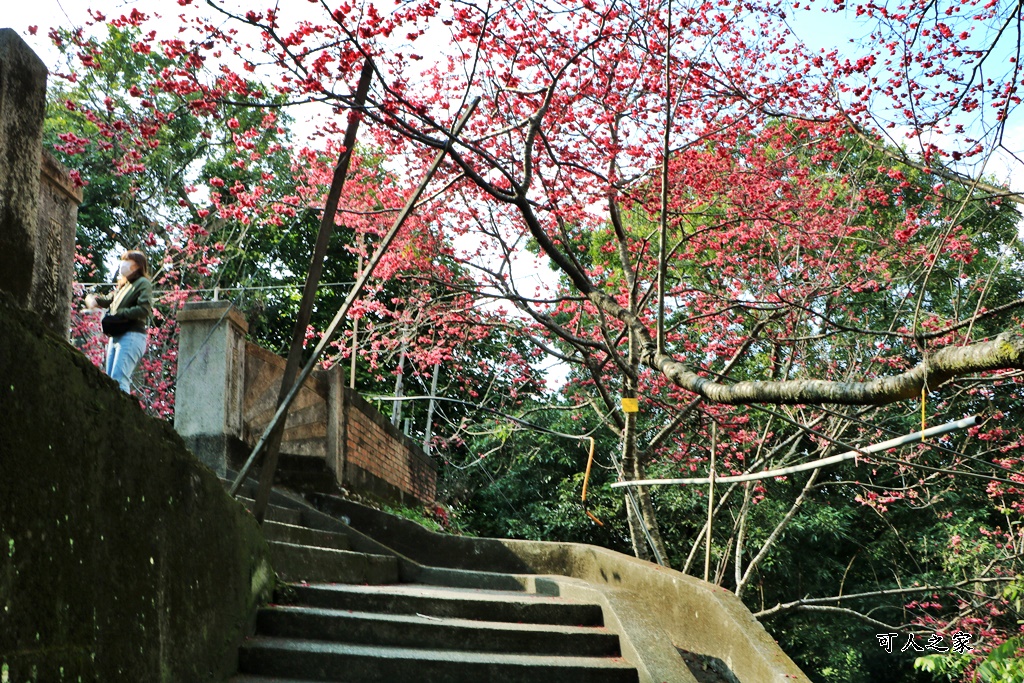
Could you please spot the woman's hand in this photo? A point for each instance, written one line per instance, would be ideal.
(90, 302)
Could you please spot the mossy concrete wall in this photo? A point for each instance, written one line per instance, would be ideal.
(121, 556)
(22, 107)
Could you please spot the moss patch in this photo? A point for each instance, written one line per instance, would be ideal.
(121, 556)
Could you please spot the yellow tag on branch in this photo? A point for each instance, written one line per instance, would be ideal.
(630, 405)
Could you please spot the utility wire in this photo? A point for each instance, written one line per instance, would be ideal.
(297, 285)
(493, 411)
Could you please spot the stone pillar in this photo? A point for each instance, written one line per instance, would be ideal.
(337, 437)
(211, 380)
(54, 272)
(22, 108)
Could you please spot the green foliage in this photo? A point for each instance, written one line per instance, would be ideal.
(518, 482)
(1003, 664)
(426, 518)
(141, 148)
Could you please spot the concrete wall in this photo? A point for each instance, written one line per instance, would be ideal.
(38, 201)
(54, 270)
(121, 557)
(655, 610)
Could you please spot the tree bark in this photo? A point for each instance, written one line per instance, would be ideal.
(650, 516)
(1004, 352)
(636, 533)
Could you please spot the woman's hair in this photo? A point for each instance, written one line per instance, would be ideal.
(140, 260)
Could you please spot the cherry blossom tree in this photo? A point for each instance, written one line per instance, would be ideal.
(220, 198)
(798, 246)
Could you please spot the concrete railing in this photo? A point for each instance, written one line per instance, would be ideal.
(38, 200)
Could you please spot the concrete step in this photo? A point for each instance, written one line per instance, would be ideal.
(325, 661)
(275, 513)
(306, 473)
(480, 605)
(418, 631)
(303, 535)
(294, 562)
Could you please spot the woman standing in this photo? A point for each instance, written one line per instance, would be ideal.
(126, 321)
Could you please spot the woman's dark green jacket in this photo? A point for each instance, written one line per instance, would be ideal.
(132, 302)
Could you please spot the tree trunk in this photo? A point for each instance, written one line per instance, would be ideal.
(643, 494)
(636, 533)
(639, 509)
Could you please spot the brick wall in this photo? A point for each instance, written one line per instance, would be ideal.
(375, 447)
(365, 453)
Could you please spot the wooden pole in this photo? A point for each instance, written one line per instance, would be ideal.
(277, 420)
(355, 326)
(316, 267)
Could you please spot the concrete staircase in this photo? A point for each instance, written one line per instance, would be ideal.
(342, 615)
(301, 552)
(336, 632)
(300, 560)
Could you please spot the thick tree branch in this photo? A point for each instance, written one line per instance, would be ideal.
(1006, 351)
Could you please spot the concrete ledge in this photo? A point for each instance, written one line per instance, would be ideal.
(213, 310)
(306, 563)
(59, 177)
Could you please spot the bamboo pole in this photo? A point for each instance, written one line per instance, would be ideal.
(815, 464)
(711, 501)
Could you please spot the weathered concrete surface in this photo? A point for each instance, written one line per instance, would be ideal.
(121, 557)
(305, 429)
(22, 107)
(54, 270)
(209, 390)
(655, 610)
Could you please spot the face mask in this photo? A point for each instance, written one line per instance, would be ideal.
(126, 268)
